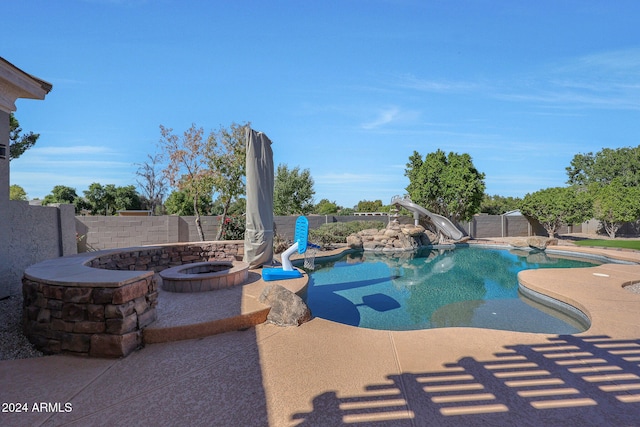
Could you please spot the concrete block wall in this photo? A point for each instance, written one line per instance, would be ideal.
(101, 232)
(189, 233)
(484, 226)
(111, 232)
(37, 233)
(629, 229)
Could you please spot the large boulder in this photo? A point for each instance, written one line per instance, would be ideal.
(541, 243)
(369, 232)
(412, 230)
(287, 308)
(427, 238)
(395, 237)
(392, 232)
(520, 242)
(372, 246)
(354, 241)
(534, 242)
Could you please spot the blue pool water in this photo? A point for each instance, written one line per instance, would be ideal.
(468, 286)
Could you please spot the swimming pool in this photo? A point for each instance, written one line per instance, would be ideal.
(466, 286)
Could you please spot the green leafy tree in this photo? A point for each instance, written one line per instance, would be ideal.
(605, 166)
(498, 205)
(61, 194)
(555, 206)
(17, 193)
(108, 199)
(369, 206)
(614, 204)
(64, 194)
(293, 191)
(612, 177)
(238, 207)
(181, 203)
(326, 207)
(415, 174)
(226, 159)
(127, 198)
(100, 200)
(448, 185)
(186, 167)
(18, 142)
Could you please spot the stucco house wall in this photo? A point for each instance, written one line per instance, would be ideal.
(28, 234)
(5, 226)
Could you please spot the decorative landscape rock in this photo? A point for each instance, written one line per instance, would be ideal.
(354, 241)
(287, 308)
(534, 242)
(395, 237)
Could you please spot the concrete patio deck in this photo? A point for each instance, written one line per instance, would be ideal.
(328, 374)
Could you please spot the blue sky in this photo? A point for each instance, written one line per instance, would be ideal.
(348, 89)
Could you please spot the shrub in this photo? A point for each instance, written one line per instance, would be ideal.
(280, 244)
(233, 228)
(337, 232)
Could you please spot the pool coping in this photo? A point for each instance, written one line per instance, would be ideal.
(567, 286)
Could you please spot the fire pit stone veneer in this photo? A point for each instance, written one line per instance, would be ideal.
(97, 303)
(204, 276)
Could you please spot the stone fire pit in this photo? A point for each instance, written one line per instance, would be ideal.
(204, 276)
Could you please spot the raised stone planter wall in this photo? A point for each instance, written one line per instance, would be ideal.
(97, 304)
(158, 258)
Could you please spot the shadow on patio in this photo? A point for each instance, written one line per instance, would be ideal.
(567, 380)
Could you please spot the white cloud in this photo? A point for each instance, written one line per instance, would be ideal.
(390, 115)
(565, 98)
(77, 166)
(617, 61)
(606, 80)
(384, 117)
(71, 150)
(408, 81)
(39, 162)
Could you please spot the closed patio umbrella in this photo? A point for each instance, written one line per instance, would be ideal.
(258, 236)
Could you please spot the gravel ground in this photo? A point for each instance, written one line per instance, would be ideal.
(13, 343)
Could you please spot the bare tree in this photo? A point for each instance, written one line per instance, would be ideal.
(152, 181)
(186, 166)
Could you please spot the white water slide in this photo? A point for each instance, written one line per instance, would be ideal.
(443, 224)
